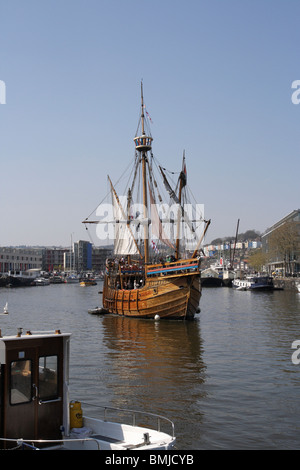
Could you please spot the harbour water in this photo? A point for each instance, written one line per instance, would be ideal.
(227, 379)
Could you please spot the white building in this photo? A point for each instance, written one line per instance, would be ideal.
(19, 259)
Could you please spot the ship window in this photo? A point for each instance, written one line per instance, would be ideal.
(48, 377)
(20, 381)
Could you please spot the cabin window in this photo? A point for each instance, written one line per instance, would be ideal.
(20, 381)
(48, 377)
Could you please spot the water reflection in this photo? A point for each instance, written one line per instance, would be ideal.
(151, 360)
(254, 385)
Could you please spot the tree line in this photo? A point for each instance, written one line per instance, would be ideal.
(242, 237)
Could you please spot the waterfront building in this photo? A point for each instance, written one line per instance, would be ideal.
(83, 256)
(53, 259)
(286, 258)
(99, 256)
(218, 250)
(18, 259)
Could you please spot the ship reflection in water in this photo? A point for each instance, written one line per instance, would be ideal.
(153, 358)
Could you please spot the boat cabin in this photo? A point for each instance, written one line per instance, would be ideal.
(33, 386)
(35, 412)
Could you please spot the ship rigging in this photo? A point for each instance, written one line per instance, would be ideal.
(155, 270)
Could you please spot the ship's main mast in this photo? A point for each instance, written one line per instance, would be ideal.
(143, 144)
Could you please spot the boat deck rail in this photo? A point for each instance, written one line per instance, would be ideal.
(134, 416)
(56, 444)
(173, 267)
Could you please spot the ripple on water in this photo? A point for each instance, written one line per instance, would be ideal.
(226, 379)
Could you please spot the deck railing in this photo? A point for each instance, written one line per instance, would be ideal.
(173, 267)
(33, 444)
(134, 414)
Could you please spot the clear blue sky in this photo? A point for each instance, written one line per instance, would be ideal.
(217, 80)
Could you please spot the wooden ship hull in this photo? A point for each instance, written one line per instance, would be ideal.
(165, 292)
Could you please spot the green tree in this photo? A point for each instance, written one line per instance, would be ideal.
(284, 244)
(257, 259)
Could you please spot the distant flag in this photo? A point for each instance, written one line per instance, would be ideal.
(148, 116)
(184, 167)
(154, 247)
(183, 171)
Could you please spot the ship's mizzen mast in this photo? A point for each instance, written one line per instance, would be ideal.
(182, 183)
(143, 144)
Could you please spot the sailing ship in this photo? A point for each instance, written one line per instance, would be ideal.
(152, 274)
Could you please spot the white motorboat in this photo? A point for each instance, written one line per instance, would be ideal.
(36, 412)
(42, 281)
(254, 283)
(98, 311)
(71, 279)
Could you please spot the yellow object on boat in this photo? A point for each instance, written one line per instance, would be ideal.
(75, 414)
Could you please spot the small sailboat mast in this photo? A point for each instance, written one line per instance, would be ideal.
(5, 310)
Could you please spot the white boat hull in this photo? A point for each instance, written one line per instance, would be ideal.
(107, 435)
(253, 283)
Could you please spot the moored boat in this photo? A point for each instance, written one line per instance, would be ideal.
(22, 278)
(97, 311)
(56, 279)
(19, 280)
(71, 279)
(88, 282)
(210, 277)
(41, 281)
(36, 412)
(228, 276)
(254, 283)
(3, 280)
(152, 272)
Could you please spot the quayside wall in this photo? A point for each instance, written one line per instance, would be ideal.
(286, 283)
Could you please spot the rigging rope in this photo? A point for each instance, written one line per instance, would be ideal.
(123, 174)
